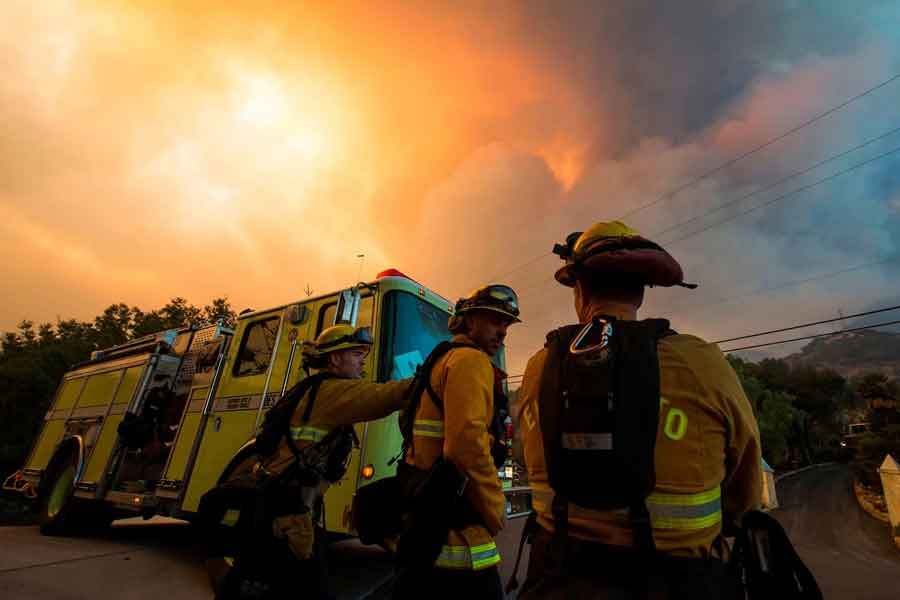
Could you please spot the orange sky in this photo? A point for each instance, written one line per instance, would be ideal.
(166, 151)
(199, 149)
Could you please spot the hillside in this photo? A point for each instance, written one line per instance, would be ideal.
(852, 353)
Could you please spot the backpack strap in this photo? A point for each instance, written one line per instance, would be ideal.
(311, 384)
(638, 367)
(421, 385)
(432, 360)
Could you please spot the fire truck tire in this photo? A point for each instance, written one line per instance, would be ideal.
(55, 506)
(59, 512)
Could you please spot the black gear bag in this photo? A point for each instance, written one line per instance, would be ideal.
(764, 563)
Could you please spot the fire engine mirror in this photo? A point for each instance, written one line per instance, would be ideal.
(297, 314)
(348, 307)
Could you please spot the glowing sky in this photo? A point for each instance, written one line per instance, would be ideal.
(159, 149)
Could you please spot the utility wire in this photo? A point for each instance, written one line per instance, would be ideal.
(527, 263)
(792, 283)
(727, 164)
(768, 202)
(758, 291)
(785, 196)
(811, 337)
(518, 376)
(805, 325)
(779, 182)
(758, 148)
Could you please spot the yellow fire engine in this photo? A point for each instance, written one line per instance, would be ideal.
(209, 388)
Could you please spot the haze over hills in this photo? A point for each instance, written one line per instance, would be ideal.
(852, 353)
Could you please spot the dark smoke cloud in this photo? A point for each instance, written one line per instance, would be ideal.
(263, 146)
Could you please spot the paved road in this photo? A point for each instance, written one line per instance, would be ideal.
(139, 560)
(849, 552)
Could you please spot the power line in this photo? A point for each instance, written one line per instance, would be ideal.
(785, 196)
(779, 182)
(792, 283)
(758, 148)
(805, 325)
(811, 337)
(520, 266)
(762, 290)
(768, 202)
(519, 376)
(728, 163)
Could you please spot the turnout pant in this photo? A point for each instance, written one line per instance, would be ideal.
(416, 583)
(272, 572)
(597, 572)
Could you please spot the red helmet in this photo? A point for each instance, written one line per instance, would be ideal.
(616, 248)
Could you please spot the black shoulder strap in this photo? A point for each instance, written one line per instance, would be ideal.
(637, 376)
(432, 360)
(313, 392)
(310, 384)
(422, 384)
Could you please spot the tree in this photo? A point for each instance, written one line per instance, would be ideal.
(777, 425)
(879, 395)
(113, 327)
(220, 311)
(797, 408)
(33, 361)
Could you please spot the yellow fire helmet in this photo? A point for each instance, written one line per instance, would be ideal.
(495, 297)
(615, 248)
(340, 337)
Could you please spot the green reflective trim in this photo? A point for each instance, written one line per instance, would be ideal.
(308, 434)
(684, 499)
(231, 517)
(698, 523)
(463, 557)
(685, 511)
(428, 428)
(485, 556)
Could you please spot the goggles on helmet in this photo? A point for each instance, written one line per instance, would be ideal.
(500, 298)
(361, 336)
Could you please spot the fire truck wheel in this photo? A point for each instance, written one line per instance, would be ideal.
(55, 501)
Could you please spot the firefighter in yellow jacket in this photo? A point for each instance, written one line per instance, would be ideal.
(707, 447)
(292, 564)
(463, 382)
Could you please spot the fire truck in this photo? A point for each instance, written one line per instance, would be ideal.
(209, 388)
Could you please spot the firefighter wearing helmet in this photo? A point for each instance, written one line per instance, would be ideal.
(453, 447)
(640, 442)
(286, 560)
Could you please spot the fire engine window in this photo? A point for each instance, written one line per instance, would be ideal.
(411, 328)
(256, 348)
(363, 318)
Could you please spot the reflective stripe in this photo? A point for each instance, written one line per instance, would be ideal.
(463, 557)
(308, 434)
(685, 511)
(426, 428)
(230, 518)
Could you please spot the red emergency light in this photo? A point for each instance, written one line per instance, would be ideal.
(393, 273)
